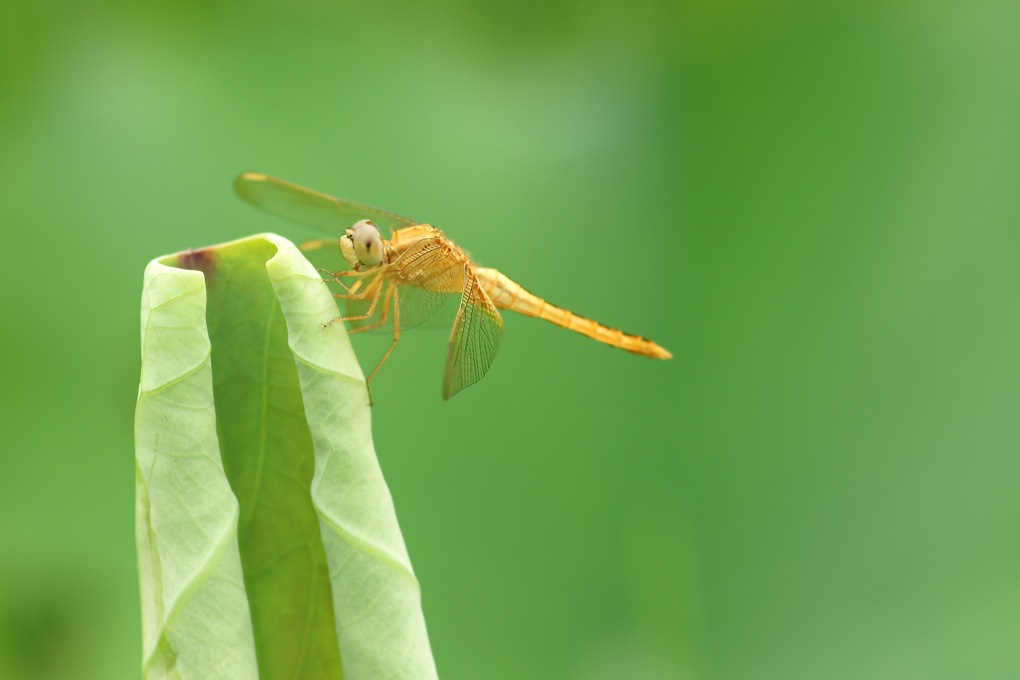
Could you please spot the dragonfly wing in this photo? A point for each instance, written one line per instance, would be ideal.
(416, 306)
(477, 334)
(428, 274)
(311, 208)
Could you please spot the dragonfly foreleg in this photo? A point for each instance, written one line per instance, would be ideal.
(337, 277)
(372, 290)
(355, 292)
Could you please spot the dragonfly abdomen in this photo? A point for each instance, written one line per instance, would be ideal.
(508, 294)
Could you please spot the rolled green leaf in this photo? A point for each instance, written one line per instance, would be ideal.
(267, 541)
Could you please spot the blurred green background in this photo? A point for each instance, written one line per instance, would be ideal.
(814, 206)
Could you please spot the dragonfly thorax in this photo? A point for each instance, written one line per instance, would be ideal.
(362, 246)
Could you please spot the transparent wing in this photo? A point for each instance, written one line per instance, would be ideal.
(426, 276)
(311, 208)
(477, 334)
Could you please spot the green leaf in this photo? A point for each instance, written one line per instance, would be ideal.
(266, 534)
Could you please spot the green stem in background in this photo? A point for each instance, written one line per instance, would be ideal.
(266, 534)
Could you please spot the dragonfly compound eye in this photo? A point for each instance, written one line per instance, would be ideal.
(367, 243)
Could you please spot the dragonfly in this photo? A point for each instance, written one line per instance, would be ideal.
(400, 282)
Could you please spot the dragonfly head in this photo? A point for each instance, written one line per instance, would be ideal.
(362, 245)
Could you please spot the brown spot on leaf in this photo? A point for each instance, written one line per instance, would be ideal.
(203, 260)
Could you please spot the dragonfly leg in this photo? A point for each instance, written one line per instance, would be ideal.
(337, 276)
(383, 316)
(373, 289)
(352, 273)
(336, 280)
(352, 291)
(396, 337)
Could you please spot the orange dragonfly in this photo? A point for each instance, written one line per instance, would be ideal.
(402, 281)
